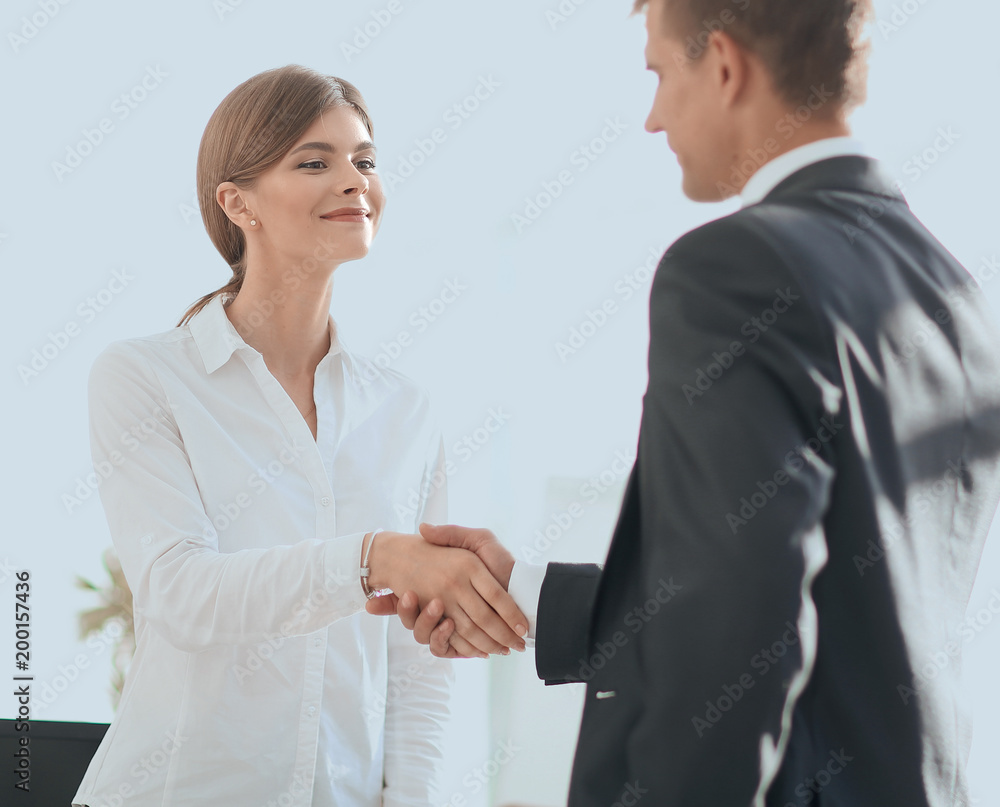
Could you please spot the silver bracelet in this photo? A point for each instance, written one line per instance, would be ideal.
(366, 570)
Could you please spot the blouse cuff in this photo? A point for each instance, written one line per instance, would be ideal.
(342, 572)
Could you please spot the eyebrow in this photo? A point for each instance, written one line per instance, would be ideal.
(364, 145)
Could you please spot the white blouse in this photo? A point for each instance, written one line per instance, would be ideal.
(258, 677)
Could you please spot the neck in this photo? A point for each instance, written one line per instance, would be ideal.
(288, 326)
(779, 134)
(821, 130)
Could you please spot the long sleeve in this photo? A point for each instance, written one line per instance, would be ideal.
(736, 466)
(182, 585)
(525, 587)
(418, 707)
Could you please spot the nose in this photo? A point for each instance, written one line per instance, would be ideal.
(651, 125)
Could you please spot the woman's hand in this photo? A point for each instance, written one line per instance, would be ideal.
(483, 613)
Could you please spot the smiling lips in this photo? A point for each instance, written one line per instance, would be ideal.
(347, 214)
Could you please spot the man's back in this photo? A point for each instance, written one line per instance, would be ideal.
(916, 488)
(817, 473)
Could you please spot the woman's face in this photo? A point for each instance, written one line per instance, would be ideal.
(323, 200)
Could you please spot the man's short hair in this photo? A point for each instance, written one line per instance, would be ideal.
(805, 44)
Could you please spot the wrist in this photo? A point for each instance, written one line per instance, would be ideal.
(380, 560)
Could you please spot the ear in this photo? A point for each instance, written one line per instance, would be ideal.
(731, 66)
(233, 204)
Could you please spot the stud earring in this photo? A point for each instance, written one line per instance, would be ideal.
(253, 222)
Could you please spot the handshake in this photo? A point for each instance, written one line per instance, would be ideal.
(450, 590)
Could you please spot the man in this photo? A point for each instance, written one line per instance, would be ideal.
(817, 459)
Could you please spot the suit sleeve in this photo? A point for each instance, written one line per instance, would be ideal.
(736, 464)
(562, 630)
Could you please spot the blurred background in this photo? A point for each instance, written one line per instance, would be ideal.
(511, 144)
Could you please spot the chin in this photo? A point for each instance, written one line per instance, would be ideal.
(354, 254)
(698, 191)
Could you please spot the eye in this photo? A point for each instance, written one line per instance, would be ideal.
(367, 161)
(313, 164)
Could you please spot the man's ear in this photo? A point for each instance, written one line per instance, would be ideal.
(731, 66)
(233, 204)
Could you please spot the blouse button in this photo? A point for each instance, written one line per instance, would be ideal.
(325, 501)
(312, 710)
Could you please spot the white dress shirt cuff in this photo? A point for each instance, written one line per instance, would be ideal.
(525, 587)
(342, 565)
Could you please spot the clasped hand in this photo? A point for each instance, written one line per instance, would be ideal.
(453, 590)
(453, 586)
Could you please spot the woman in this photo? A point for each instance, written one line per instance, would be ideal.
(255, 458)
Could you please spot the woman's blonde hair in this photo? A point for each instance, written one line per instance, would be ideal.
(251, 130)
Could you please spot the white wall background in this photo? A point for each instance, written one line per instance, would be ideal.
(128, 206)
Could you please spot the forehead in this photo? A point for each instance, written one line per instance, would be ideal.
(660, 39)
(336, 122)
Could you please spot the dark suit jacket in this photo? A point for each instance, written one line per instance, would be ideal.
(781, 614)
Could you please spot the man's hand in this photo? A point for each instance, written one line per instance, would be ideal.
(465, 588)
(483, 542)
(427, 624)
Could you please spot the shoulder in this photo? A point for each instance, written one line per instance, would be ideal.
(134, 357)
(758, 233)
(800, 236)
(737, 281)
(732, 258)
(752, 254)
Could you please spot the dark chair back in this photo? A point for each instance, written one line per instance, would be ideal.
(59, 756)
